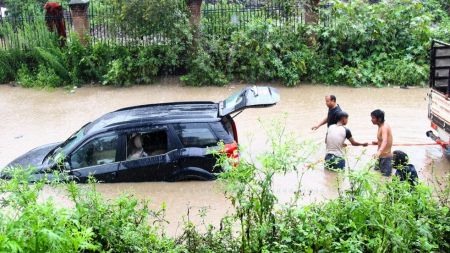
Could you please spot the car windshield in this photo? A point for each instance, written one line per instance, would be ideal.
(67, 145)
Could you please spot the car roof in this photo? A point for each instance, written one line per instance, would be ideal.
(201, 111)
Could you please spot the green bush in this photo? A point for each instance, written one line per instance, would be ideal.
(35, 226)
(360, 44)
(208, 64)
(370, 215)
(365, 37)
(42, 77)
(92, 225)
(7, 66)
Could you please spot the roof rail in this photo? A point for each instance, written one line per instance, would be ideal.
(164, 104)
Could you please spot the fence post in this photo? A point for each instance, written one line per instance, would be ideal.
(80, 19)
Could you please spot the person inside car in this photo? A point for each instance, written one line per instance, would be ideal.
(136, 150)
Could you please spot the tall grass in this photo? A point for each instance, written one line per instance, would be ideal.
(27, 34)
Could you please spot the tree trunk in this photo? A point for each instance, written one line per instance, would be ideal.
(312, 12)
(195, 8)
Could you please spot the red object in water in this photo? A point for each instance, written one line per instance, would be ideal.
(54, 17)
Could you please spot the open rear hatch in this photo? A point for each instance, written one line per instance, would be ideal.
(249, 97)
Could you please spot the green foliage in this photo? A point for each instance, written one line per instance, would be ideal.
(140, 64)
(33, 33)
(35, 226)
(8, 64)
(43, 68)
(367, 41)
(139, 18)
(43, 77)
(369, 215)
(359, 44)
(92, 225)
(261, 52)
(120, 225)
(25, 7)
(207, 65)
(266, 52)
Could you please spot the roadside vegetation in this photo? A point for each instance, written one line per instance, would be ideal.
(355, 44)
(370, 215)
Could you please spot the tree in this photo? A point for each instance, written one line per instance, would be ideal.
(312, 12)
(195, 9)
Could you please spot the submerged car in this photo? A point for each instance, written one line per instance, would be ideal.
(155, 142)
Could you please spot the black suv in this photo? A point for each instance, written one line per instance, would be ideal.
(153, 142)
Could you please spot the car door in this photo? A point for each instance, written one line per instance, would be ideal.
(196, 139)
(99, 157)
(158, 161)
(249, 97)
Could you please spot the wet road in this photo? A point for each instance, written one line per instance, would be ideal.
(32, 117)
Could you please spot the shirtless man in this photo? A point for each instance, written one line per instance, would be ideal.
(384, 142)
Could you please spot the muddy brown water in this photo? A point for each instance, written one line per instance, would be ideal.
(34, 117)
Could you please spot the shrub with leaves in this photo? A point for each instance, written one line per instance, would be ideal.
(28, 224)
(370, 215)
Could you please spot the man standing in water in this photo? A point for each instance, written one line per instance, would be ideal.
(384, 142)
(336, 136)
(333, 111)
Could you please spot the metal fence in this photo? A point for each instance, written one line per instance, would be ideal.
(219, 17)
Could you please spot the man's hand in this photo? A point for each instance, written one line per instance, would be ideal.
(365, 144)
(377, 154)
(314, 128)
(374, 142)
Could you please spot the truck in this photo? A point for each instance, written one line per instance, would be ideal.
(438, 96)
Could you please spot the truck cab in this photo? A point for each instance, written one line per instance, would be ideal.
(438, 97)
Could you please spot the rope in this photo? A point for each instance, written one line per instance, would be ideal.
(408, 144)
(416, 144)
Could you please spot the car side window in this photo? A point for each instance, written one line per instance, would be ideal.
(143, 144)
(196, 135)
(101, 150)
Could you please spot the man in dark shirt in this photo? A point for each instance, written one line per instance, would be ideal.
(333, 111)
(405, 171)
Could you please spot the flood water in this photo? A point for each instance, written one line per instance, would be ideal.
(34, 117)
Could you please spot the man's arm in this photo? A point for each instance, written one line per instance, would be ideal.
(384, 137)
(355, 143)
(320, 124)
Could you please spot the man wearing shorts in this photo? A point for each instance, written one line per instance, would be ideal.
(336, 136)
(384, 142)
